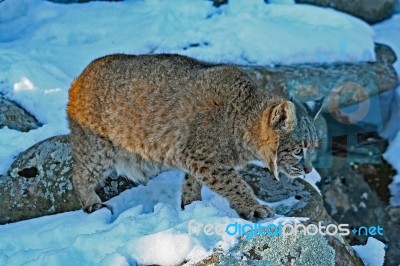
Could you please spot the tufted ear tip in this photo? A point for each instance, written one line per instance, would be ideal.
(314, 107)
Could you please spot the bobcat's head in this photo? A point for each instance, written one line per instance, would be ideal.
(293, 123)
(295, 147)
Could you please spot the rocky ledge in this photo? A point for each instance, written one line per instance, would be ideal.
(343, 84)
(39, 183)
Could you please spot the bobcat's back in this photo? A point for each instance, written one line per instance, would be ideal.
(145, 104)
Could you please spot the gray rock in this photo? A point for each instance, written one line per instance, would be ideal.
(343, 84)
(14, 117)
(384, 53)
(370, 11)
(39, 183)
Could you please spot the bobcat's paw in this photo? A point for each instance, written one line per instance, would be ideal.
(188, 198)
(97, 206)
(257, 212)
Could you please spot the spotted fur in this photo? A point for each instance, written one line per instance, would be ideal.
(145, 114)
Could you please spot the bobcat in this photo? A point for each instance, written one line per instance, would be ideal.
(144, 114)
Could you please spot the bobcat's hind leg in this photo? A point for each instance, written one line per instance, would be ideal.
(93, 159)
(191, 190)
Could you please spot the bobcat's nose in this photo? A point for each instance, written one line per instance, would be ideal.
(307, 170)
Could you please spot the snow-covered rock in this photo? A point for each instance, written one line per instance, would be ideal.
(39, 183)
(372, 253)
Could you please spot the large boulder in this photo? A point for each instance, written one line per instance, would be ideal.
(39, 183)
(343, 84)
(15, 117)
(370, 11)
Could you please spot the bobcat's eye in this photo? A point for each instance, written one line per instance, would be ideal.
(297, 151)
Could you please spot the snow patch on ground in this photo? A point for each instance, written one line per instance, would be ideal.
(388, 32)
(372, 253)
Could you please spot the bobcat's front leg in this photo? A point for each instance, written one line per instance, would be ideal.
(228, 183)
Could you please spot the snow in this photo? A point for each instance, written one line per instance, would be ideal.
(141, 230)
(44, 46)
(372, 253)
(147, 227)
(388, 32)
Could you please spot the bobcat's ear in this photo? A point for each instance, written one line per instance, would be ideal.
(314, 107)
(282, 117)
